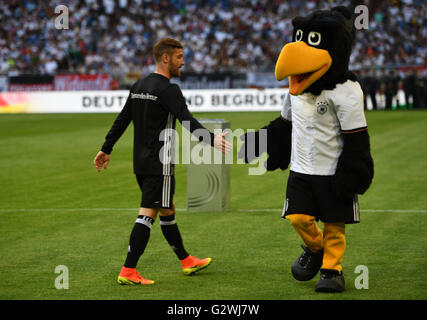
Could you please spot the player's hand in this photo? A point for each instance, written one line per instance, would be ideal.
(221, 144)
(101, 159)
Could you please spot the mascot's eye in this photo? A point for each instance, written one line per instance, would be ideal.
(314, 38)
(298, 35)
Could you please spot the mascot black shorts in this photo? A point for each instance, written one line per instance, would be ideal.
(316, 196)
(157, 190)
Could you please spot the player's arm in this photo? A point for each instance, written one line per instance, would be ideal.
(118, 128)
(174, 101)
(278, 144)
(355, 167)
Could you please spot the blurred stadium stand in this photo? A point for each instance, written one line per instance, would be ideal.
(228, 43)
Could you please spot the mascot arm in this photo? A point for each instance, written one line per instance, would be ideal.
(277, 145)
(355, 167)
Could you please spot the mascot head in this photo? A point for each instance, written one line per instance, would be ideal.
(318, 57)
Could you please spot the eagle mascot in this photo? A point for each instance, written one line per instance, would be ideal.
(322, 133)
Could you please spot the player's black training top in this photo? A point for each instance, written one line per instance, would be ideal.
(153, 105)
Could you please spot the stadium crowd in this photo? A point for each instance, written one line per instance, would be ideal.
(116, 36)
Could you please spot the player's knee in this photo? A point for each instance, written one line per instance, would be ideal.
(148, 212)
(167, 212)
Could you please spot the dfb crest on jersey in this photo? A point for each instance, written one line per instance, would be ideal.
(322, 107)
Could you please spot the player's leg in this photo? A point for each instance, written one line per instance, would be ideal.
(168, 223)
(190, 264)
(137, 243)
(140, 234)
(171, 232)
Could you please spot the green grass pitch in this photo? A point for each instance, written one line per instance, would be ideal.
(56, 209)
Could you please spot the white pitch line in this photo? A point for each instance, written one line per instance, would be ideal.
(67, 209)
(395, 210)
(184, 209)
(364, 210)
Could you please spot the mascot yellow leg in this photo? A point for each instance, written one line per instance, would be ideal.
(323, 251)
(308, 230)
(308, 264)
(334, 245)
(331, 276)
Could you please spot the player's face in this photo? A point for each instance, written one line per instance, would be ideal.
(176, 62)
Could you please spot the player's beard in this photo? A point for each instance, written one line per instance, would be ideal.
(174, 71)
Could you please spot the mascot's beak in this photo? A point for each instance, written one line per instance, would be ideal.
(303, 64)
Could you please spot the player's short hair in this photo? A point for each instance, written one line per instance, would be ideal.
(165, 45)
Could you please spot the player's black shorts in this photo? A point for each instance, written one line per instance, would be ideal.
(316, 196)
(157, 190)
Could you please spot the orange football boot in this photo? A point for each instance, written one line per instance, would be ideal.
(129, 276)
(191, 265)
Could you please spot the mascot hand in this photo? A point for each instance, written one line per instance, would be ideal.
(275, 139)
(355, 167)
(252, 147)
(344, 187)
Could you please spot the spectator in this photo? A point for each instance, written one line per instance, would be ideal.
(364, 84)
(391, 85)
(50, 66)
(420, 91)
(373, 88)
(409, 87)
